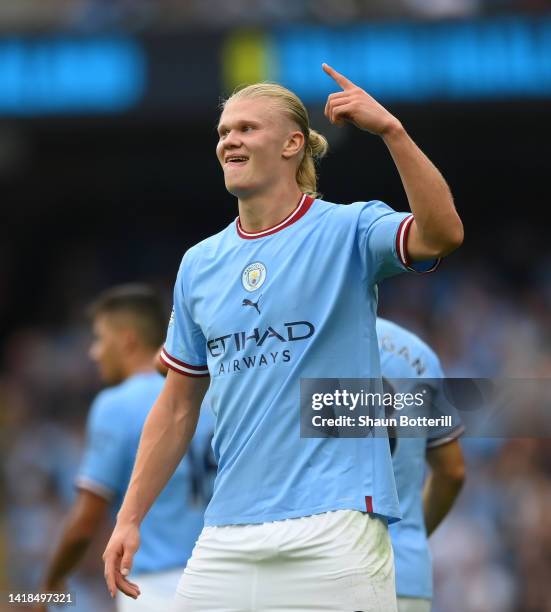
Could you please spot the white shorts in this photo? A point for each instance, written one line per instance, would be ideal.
(157, 592)
(330, 562)
(414, 604)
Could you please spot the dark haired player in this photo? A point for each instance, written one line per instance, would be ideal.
(129, 323)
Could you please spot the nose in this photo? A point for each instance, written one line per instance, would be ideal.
(231, 140)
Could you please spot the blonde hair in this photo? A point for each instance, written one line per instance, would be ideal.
(315, 145)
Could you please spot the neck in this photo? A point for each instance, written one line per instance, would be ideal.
(140, 363)
(260, 211)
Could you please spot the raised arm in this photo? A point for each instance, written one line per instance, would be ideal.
(436, 229)
(167, 432)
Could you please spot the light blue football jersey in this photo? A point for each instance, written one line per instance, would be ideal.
(171, 527)
(405, 356)
(260, 311)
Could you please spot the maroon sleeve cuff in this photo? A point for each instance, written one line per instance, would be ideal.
(182, 367)
(401, 249)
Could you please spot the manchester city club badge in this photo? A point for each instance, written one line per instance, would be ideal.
(253, 276)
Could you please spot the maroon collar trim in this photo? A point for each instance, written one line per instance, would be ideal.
(302, 208)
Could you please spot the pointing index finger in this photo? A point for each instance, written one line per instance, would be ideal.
(339, 78)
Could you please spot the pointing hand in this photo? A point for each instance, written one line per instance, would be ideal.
(356, 106)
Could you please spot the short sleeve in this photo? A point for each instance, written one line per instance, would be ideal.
(441, 406)
(382, 238)
(185, 347)
(104, 467)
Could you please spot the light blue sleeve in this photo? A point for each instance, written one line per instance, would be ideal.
(379, 232)
(185, 347)
(441, 406)
(382, 238)
(104, 468)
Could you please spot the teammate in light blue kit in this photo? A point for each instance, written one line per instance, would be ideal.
(128, 324)
(407, 362)
(286, 292)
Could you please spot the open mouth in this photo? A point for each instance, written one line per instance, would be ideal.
(236, 160)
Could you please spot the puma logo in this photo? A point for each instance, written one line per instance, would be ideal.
(247, 302)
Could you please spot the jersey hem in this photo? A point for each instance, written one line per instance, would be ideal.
(281, 516)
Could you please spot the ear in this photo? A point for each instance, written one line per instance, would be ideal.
(129, 339)
(293, 145)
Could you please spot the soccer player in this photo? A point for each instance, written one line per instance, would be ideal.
(286, 291)
(129, 323)
(408, 361)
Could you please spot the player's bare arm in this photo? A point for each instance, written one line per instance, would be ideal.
(79, 529)
(437, 229)
(444, 482)
(158, 364)
(164, 441)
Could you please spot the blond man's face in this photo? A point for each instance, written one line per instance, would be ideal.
(253, 135)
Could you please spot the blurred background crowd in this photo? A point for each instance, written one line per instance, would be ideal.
(91, 199)
(170, 14)
(496, 539)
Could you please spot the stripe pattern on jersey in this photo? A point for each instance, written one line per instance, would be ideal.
(182, 367)
(401, 247)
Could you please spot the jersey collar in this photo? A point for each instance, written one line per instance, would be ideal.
(302, 208)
